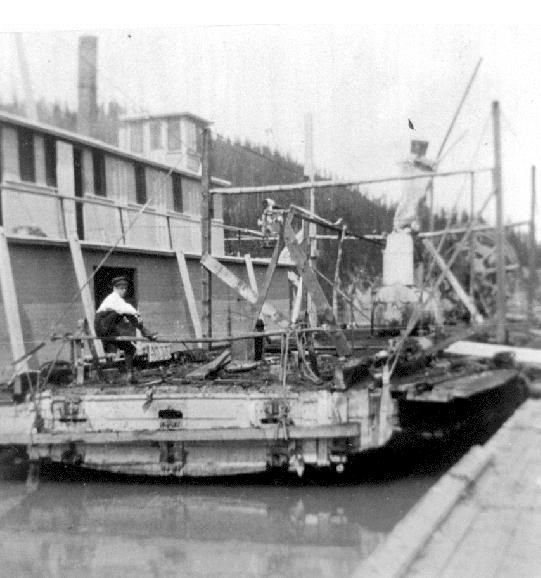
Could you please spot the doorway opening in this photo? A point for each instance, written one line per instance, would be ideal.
(102, 283)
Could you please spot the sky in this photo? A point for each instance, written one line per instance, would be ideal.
(361, 84)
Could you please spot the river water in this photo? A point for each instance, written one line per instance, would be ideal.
(87, 525)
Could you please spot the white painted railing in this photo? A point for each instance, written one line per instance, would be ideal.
(35, 210)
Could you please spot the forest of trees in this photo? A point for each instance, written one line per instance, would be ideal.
(249, 165)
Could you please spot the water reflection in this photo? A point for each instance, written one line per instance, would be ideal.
(98, 527)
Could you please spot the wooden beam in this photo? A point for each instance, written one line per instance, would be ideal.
(323, 308)
(231, 280)
(188, 291)
(84, 288)
(326, 184)
(269, 274)
(206, 233)
(11, 306)
(526, 355)
(500, 257)
(462, 295)
(251, 273)
(66, 185)
(341, 238)
(297, 302)
(471, 252)
(203, 371)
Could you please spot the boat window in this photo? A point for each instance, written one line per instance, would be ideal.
(140, 185)
(78, 191)
(50, 161)
(178, 201)
(27, 158)
(199, 141)
(98, 162)
(173, 135)
(155, 135)
(191, 137)
(136, 141)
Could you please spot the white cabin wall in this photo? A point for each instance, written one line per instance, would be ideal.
(218, 204)
(10, 154)
(39, 157)
(124, 138)
(66, 183)
(184, 234)
(102, 218)
(146, 139)
(88, 172)
(191, 191)
(105, 217)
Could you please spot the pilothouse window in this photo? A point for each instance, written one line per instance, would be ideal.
(140, 185)
(27, 158)
(178, 202)
(98, 162)
(173, 135)
(50, 161)
(155, 135)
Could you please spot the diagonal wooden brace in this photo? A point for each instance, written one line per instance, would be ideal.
(455, 284)
(231, 280)
(324, 310)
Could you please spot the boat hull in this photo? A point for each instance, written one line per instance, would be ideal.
(173, 432)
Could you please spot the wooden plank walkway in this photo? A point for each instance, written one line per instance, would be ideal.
(482, 519)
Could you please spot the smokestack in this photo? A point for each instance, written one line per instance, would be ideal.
(87, 86)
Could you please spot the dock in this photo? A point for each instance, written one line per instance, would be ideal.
(482, 518)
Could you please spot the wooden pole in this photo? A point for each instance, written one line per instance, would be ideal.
(532, 260)
(472, 237)
(188, 292)
(84, 290)
(335, 287)
(326, 184)
(11, 306)
(500, 264)
(459, 108)
(251, 273)
(206, 234)
(446, 138)
(309, 202)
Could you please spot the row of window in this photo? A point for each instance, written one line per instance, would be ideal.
(192, 136)
(27, 170)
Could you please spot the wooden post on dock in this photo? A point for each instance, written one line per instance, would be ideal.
(206, 234)
(498, 192)
(532, 256)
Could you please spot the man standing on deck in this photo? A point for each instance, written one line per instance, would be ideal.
(115, 317)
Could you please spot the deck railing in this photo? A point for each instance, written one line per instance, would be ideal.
(38, 211)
